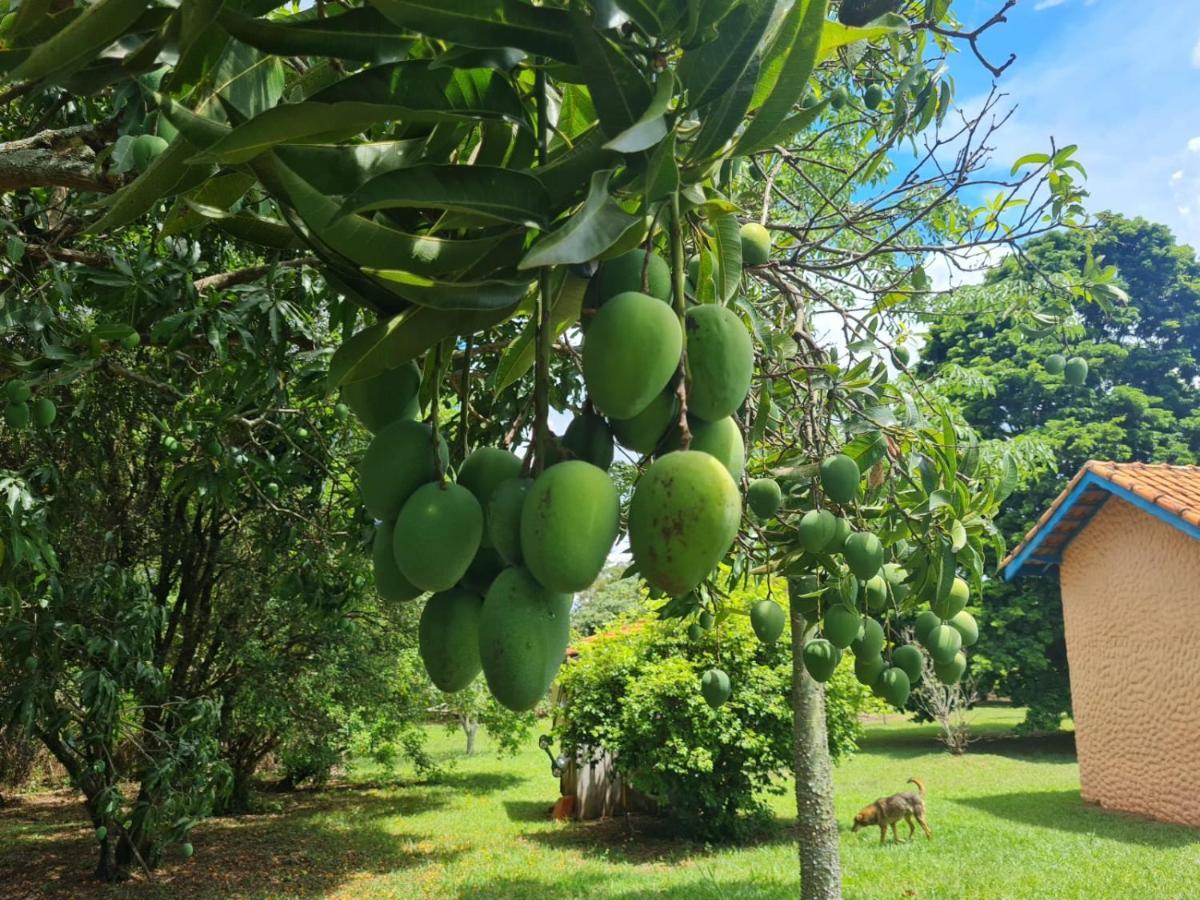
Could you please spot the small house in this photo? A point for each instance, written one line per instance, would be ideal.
(1124, 540)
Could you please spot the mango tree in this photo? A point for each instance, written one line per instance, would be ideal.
(508, 196)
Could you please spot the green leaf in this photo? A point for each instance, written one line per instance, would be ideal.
(359, 34)
(486, 24)
(651, 126)
(140, 195)
(867, 449)
(468, 295)
(565, 307)
(662, 172)
(255, 229)
(80, 40)
(792, 83)
(28, 15)
(795, 124)
(218, 193)
(946, 570)
(421, 93)
(489, 192)
(729, 254)
(565, 175)
(341, 168)
(835, 35)
(200, 42)
(368, 243)
(403, 337)
(1030, 159)
(958, 536)
(587, 233)
(247, 80)
(617, 87)
(711, 69)
(723, 119)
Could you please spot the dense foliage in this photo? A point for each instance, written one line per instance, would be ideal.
(1140, 404)
(631, 692)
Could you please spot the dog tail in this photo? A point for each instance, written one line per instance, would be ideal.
(920, 786)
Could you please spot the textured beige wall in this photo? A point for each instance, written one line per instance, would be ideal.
(1131, 607)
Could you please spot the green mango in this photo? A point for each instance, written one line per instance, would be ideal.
(437, 535)
(864, 554)
(483, 471)
(942, 642)
(722, 439)
(756, 244)
(821, 658)
(839, 478)
(569, 523)
(764, 496)
(867, 669)
(964, 623)
(630, 353)
(399, 460)
(909, 658)
(954, 602)
(590, 439)
(523, 636)
(716, 688)
(927, 620)
(720, 361)
(389, 581)
(894, 686)
(951, 672)
(767, 618)
(682, 520)
(869, 641)
(503, 520)
(1075, 372)
(448, 638)
(816, 530)
(645, 431)
(624, 273)
(840, 625)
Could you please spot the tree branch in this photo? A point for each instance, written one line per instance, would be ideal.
(245, 276)
(62, 157)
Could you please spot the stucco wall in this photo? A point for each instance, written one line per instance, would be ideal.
(1131, 608)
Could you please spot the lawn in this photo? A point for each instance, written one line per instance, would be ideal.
(1007, 821)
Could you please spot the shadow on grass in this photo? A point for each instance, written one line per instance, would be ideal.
(908, 743)
(641, 839)
(312, 845)
(477, 783)
(581, 884)
(528, 810)
(1066, 811)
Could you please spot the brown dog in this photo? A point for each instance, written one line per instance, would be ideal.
(890, 810)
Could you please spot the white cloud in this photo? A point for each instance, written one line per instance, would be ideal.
(1047, 4)
(1114, 86)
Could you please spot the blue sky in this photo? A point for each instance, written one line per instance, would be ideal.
(1120, 78)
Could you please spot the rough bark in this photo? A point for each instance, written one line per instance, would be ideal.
(470, 725)
(820, 860)
(60, 158)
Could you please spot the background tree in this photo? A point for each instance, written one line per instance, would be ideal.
(1140, 404)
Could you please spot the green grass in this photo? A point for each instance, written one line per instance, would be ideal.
(1007, 821)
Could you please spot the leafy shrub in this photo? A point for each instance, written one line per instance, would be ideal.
(634, 692)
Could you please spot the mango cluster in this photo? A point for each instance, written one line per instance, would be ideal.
(22, 408)
(502, 553)
(860, 582)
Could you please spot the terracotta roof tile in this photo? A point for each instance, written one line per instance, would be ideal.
(1175, 489)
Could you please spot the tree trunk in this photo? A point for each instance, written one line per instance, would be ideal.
(820, 860)
(471, 726)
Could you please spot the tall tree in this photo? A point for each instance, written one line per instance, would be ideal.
(456, 173)
(1140, 403)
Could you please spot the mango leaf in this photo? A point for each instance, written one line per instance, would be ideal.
(198, 130)
(711, 69)
(403, 337)
(485, 24)
(488, 192)
(658, 18)
(792, 125)
(359, 34)
(792, 83)
(468, 295)
(729, 254)
(587, 233)
(867, 449)
(367, 243)
(80, 40)
(140, 195)
(431, 94)
(249, 81)
(259, 230)
(219, 193)
(340, 168)
(199, 42)
(724, 118)
(28, 15)
(563, 177)
(958, 536)
(662, 172)
(946, 570)
(565, 307)
(617, 87)
(836, 35)
(651, 126)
